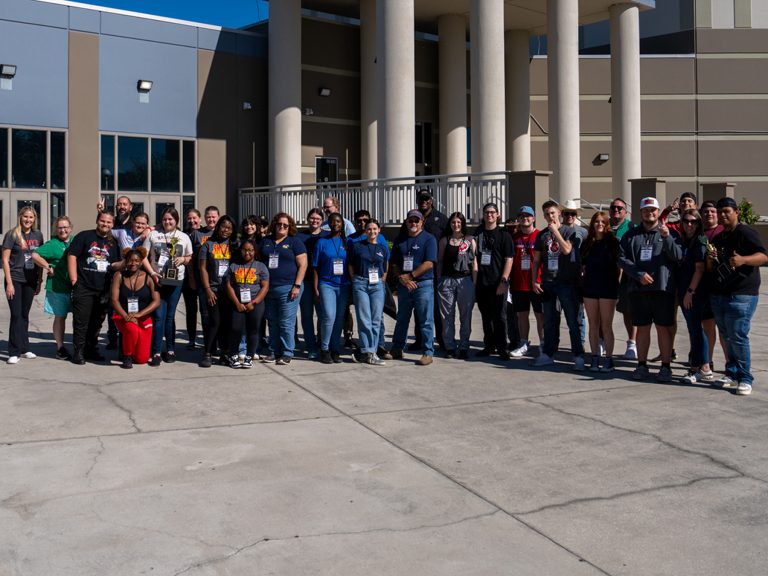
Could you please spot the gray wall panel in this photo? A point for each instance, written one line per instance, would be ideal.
(172, 109)
(145, 29)
(39, 95)
(35, 13)
(84, 20)
(208, 39)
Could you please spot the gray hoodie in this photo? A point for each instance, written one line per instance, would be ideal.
(642, 251)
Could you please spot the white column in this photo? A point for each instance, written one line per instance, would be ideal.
(368, 90)
(625, 97)
(487, 80)
(518, 91)
(397, 94)
(563, 78)
(452, 29)
(285, 92)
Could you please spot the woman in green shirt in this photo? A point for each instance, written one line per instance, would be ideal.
(58, 302)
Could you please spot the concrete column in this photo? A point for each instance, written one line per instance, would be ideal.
(563, 78)
(487, 79)
(518, 94)
(368, 90)
(285, 92)
(625, 98)
(397, 94)
(452, 29)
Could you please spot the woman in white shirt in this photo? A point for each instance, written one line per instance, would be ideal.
(169, 251)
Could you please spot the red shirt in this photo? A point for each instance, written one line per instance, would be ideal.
(520, 278)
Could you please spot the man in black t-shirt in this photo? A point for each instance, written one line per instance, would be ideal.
(91, 259)
(734, 261)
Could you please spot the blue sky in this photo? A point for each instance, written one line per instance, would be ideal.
(229, 13)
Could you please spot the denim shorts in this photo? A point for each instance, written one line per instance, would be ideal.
(57, 304)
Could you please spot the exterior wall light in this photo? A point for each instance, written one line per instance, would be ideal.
(325, 92)
(601, 159)
(7, 70)
(144, 85)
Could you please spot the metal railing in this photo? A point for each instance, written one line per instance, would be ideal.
(387, 199)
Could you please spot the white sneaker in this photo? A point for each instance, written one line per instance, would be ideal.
(29, 355)
(698, 376)
(726, 382)
(578, 363)
(543, 360)
(602, 348)
(744, 389)
(13, 360)
(631, 353)
(521, 350)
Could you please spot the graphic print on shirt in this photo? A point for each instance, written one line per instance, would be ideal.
(220, 252)
(98, 257)
(246, 276)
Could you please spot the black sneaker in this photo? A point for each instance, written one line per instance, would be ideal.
(206, 361)
(504, 355)
(78, 359)
(63, 354)
(383, 353)
(127, 363)
(170, 357)
(335, 357)
(325, 357)
(283, 361)
(224, 360)
(155, 361)
(269, 359)
(247, 362)
(94, 356)
(463, 355)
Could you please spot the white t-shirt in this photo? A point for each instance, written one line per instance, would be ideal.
(159, 245)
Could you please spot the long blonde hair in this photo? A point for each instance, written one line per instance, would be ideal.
(17, 231)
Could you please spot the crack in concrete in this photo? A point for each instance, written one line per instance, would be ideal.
(656, 437)
(99, 452)
(265, 539)
(119, 406)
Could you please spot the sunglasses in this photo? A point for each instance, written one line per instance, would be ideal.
(690, 222)
(617, 208)
(282, 225)
(413, 220)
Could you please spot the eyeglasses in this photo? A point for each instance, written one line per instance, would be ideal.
(413, 220)
(617, 208)
(490, 212)
(63, 227)
(569, 214)
(363, 221)
(689, 221)
(282, 225)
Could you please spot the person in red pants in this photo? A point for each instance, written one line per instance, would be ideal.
(134, 298)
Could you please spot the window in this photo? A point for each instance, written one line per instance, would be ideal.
(189, 166)
(165, 165)
(58, 205)
(28, 148)
(132, 171)
(424, 145)
(58, 160)
(108, 163)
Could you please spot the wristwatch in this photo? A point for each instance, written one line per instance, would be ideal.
(691, 291)
(297, 286)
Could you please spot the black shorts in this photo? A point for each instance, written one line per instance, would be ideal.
(622, 304)
(708, 314)
(522, 301)
(655, 307)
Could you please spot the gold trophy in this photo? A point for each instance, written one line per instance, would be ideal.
(169, 276)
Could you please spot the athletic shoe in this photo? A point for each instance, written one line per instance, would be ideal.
(283, 361)
(94, 356)
(484, 352)
(631, 353)
(78, 359)
(463, 355)
(325, 357)
(641, 372)
(578, 363)
(396, 354)
(504, 355)
(374, 360)
(521, 350)
(602, 348)
(664, 375)
(314, 355)
(383, 353)
(155, 361)
(234, 361)
(725, 382)
(127, 363)
(13, 360)
(543, 360)
(268, 359)
(63, 354)
(335, 358)
(450, 353)
(744, 389)
(29, 355)
(247, 362)
(697, 376)
(170, 357)
(206, 361)
(424, 360)
(608, 365)
(595, 365)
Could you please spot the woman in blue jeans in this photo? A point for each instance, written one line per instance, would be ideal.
(167, 249)
(693, 295)
(286, 259)
(331, 285)
(368, 263)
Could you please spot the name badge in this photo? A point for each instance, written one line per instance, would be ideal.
(245, 295)
(373, 275)
(29, 264)
(525, 262)
(274, 260)
(646, 253)
(102, 265)
(407, 263)
(485, 259)
(553, 262)
(338, 267)
(222, 269)
(133, 305)
(162, 261)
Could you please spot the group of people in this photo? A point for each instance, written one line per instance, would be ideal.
(251, 281)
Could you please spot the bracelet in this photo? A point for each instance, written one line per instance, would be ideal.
(691, 291)
(297, 286)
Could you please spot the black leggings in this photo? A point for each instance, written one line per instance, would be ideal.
(20, 305)
(252, 321)
(219, 320)
(190, 305)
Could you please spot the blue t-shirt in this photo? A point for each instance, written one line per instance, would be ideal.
(309, 241)
(327, 251)
(362, 237)
(364, 255)
(283, 268)
(422, 248)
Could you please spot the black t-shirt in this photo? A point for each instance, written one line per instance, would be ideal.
(746, 279)
(499, 244)
(94, 254)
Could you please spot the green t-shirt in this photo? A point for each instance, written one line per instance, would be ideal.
(622, 229)
(53, 252)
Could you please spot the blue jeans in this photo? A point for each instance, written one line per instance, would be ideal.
(733, 314)
(308, 308)
(163, 319)
(369, 309)
(281, 318)
(333, 302)
(557, 298)
(699, 343)
(422, 300)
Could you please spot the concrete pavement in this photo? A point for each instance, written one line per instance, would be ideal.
(478, 468)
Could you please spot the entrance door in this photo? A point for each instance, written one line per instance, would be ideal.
(158, 203)
(11, 202)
